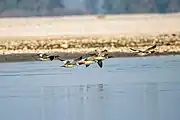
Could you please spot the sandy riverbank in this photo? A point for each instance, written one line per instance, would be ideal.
(26, 36)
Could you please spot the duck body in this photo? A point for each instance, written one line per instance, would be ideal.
(68, 66)
(45, 57)
(145, 53)
(96, 58)
(71, 63)
(99, 58)
(87, 61)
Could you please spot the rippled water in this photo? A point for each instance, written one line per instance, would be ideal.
(146, 88)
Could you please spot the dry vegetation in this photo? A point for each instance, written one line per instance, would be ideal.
(169, 42)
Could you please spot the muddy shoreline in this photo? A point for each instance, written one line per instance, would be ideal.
(24, 57)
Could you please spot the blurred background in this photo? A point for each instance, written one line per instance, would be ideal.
(25, 8)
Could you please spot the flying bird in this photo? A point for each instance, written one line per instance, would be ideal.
(96, 57)
(69, 63)
(45, 57)
(146, 51)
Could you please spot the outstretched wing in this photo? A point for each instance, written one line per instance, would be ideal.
(108, 56)
(77, 59)
(104, 51)
(91, 54)
(67, 62)
(64, 61)
(150, 48)
(60, 59)
(87, 65)
(56, 56)
(87, 56)
(135, 50)
(100, 63)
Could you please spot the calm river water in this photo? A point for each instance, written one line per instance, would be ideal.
(144, 88)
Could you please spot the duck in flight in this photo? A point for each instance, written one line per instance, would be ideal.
(96, 57)
(146, 51)
(71, 62)
(46, 57)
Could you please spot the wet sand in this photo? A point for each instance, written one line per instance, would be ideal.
(22, 38)
(33, 56)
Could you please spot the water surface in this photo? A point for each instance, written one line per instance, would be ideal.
(145, 88)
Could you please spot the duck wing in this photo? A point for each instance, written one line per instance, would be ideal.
(60, 59)
(56, 56)
(135, 50)
(108, 56)
(87, 65)
(42, 55)
(64, 61)
(150, 48)
(91, 54)
(100, 63)
(80, 58)
(67, 62)
(104, 51)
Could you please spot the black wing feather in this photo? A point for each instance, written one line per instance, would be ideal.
(80, 58)
(100, 63)
(88, 65)
(60, 59)
(150, 48)
(68, 62)
(136, 50)
(51, 58)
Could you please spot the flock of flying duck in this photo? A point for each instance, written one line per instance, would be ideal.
(91, 58)
(87, 59)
